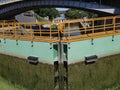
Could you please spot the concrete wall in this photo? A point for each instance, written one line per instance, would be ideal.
(101, 46)
(75, 51)
(28, 16)
(27, 48)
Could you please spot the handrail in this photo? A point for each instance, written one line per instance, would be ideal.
(67, 31)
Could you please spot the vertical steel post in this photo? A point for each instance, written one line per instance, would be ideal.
(61, 76)
(62, 81)
(63, 68)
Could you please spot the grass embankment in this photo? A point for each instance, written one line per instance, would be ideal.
(102, 75)
(5, 85)
(20, 72)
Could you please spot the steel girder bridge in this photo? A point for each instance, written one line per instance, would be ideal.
(10, 8)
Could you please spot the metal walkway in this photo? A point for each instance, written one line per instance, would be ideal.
(67, 31)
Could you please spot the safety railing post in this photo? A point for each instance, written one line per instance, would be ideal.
(14, 28)
(69, 33)
(105, 24)
(40, 30)
(93, 28)
(85, 28)
(50, 32)
(3, 30)
(114, 24)
(31, 32)
(58, 32)
(19, 31)
(24, 29)
(9, 27)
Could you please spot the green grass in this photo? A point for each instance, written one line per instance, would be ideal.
(19, 71)
(102, 75)
(5, 85)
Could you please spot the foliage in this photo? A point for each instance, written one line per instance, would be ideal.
(43, 12)
(77, 14)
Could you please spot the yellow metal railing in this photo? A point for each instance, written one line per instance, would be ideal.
(67, 31)
(46, 32)
(79, 29)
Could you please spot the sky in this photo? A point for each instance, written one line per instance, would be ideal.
(62, 9)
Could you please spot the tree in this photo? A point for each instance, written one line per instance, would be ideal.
(51, 12)
(77, 14)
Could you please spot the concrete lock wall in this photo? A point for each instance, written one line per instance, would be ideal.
(100, 46)
(24, 49)
(74, 51)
